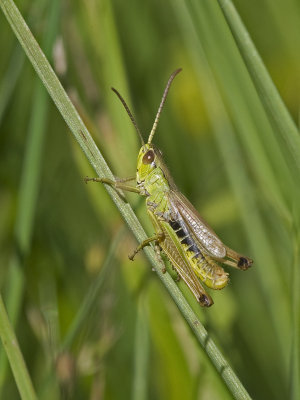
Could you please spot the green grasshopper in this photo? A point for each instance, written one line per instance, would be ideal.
(193, 248)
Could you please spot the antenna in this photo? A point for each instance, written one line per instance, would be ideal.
(162, 103)
(129, 113)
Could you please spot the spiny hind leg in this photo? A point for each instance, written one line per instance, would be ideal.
(158, 237)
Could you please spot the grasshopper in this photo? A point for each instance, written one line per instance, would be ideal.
(193, 248)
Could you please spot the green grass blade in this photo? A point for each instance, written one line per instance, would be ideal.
(240, 182)
(82, 135)
(28, 192)
(98, 25)
(245, 109)
(270, 98)
(15, 357)
(14, 290)
(141, 354)
(9, 82)
(294, 384)
(94, 290)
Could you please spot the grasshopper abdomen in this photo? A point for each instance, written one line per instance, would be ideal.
(205, 268)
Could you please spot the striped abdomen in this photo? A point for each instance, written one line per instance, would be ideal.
(206, 269)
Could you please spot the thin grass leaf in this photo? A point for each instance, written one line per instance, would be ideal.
(141, 354)
(270, 98)
(9, 82)
(240, 182)
(28, 193)
(105, 39)
(241, 100)
(92, 294)
(15, 356)
(15, 66)
(294, 384)
(82, 135)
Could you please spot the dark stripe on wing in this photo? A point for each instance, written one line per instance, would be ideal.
(188, 241)
(181, 233)
(175, 225)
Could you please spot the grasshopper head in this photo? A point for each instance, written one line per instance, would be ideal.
(150, 159)
(146, 161)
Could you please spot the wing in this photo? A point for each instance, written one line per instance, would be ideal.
(203, 234)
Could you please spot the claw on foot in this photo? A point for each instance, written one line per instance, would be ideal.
(131, 256)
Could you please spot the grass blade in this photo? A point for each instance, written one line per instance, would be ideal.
(28, 193)
(270, 98)
(85, 308)
(15, 357)
(294, 384)
(240, 181)
(141, 354)
(9, 82)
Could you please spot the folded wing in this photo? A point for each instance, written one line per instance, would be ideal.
(205, 237)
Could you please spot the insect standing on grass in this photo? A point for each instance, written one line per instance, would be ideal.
(192, 247)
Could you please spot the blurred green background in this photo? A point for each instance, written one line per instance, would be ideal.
(63, 243)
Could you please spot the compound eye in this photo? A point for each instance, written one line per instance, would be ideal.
(148, 157)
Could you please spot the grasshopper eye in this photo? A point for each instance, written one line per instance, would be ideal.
(148, 157)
